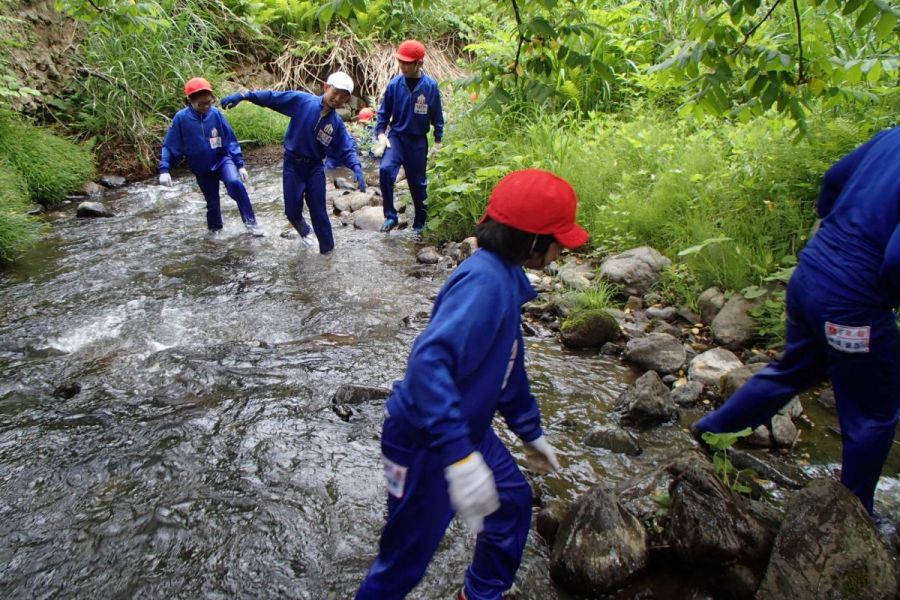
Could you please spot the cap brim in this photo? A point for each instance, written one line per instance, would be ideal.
(573, 237)
(405, 58)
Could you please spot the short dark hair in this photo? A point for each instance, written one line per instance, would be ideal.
(513, 244)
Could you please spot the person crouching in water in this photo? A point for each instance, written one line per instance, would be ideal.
(441, 456)
(201, 134)
(314, 132)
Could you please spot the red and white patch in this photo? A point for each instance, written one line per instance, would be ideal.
(846, 338)
(395, 475)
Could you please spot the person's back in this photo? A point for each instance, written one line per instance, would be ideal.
(860, 210)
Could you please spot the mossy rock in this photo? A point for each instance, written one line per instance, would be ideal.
(589, 329)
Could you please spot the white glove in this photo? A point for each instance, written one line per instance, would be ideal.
(165, 179)
(540, 456)
(244, 176)
(381, 144)
(434, 149)
(473, 493)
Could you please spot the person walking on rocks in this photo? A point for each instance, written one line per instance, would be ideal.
(411, 106)
(840, 317)
(314, 132)
(441, 455)
(201, 134)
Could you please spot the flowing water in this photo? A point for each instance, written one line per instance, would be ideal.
(201, 457)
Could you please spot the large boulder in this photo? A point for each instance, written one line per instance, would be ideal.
(636, 270)
(647, 402)
(709, 367)
(92, 210)
(588, 329)
(614, 439)
(710, 303)
(369, 218)
(732, 380)
(658, 352)
(733, 327)
(598, 546)
(827, 547)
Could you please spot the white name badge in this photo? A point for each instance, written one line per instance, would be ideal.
(215, 142)
(848, 339)
(396, 477)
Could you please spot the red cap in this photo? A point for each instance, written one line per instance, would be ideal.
(411, 51)
(365, 114)
(537, 201)
(196, 84)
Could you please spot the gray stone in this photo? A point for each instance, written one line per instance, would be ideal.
(634, 303)
(709, 367)
(548, 520)
(760, 438)
(647, 402)
(589, 329)
(428, 256)
(733, 327)
(710, 303)
(663, 327)
(92, 189)
(349, 395)
(826, 398)
(664, 313)
(731, 381)
(599, 545)
(687, 394)
(90, 210)
(828, 547)
(636, 270)
(784, 432)
(369, 218)
(792, 409)
(614, 439)
(659, 352)
(112, 181)
(610, 349)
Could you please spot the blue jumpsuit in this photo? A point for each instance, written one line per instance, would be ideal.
(213, 154)
(841, 320)
(409, 115)
(465, 366)
(308, 140)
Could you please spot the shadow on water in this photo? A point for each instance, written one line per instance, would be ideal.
(201, 458)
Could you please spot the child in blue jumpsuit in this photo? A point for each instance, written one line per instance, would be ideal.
(201, 134)
(411, 105)
(841, 320)
(440, 453)
(314, 132)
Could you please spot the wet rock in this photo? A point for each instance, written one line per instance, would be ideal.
(658, 352)
(548, 520)
(784, 432)
(735, 378)
(733, 327)
(67, 390)
(827, 547)
(663, 313)
(91, 210)
(826, 398)
(758, 358)
(469, 245)
(709, 367)
(646, 402)
(613, 438)
(428, 256)
(349, 395)
(112, 181)
(710, 303)
(589, 329)
(792, 409)
(760, 438)
(669, 379)
(91, 189)
(599, 545)
(342, 183)
(657, 326)
(610, 349)
(636, 270)
(784, 474)
(576, 276)
(710, 524)
(369, 218)
(634, 303)
(646, 496)
(687, 394)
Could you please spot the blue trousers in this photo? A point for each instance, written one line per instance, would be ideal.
(209, 185)
(410, 152)
(305, 179)
(417, 521)
(828, 337)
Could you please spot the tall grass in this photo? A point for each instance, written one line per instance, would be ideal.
(256, 124)
(17, 229)
(51, 166)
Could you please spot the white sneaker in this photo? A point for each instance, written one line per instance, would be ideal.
(308, 241)
(256, 231)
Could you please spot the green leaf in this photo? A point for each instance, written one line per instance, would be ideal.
(885, 26)
(867, 15)
(703, 244)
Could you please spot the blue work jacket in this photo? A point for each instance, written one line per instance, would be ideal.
(469, 361)
(204, 140)
(411, 113)
(856, 252)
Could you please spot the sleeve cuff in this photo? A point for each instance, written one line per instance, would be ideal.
(455, 451)
(531, 435)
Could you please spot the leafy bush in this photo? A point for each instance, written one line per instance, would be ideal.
(51, 166)
(17, 229)
(256, 124)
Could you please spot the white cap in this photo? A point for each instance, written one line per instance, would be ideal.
(341, 81)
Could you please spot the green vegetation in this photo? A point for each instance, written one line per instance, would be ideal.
(256, 124)
(17, 229)
(720, 443)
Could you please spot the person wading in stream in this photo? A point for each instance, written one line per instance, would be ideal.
(411, 105)
(440, 453)
(840, 317)
(201, 134)
(314, 132)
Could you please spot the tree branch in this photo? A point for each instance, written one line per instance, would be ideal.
(801, 76)
(521, 41)
(753, 29)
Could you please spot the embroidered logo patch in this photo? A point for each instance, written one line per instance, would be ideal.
(421, 107)
(848, 339)
(395, 475)
(325, 134)
(214, 140)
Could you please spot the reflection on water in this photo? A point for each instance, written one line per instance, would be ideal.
(201, 458)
